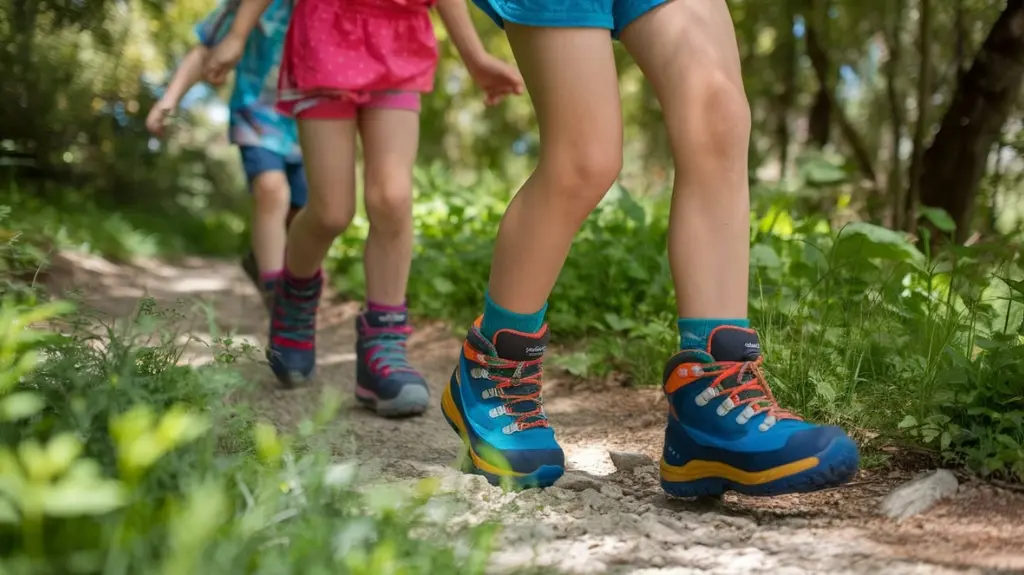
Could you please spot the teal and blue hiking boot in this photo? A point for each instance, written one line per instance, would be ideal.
(292, 350)
(385, 380)
(726, 431)
(493, 402)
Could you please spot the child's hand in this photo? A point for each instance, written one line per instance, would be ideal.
(156, 121)
(222, 59)
(496, 78)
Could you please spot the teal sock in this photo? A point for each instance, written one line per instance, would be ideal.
(497, 318)
(694, 333)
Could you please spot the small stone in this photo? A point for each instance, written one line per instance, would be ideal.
(919, 495)
(578, 481)
(626, 461)
(611, 491)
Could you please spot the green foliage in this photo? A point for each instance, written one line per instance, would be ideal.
(860, 326)
(116, 459)
(69, 221)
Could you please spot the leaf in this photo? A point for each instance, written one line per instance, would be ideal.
(75, 497)
(818, 171)
(617, 323)
(21, 405)
(861, 240)
(8, 513)
(908, 421)
(764, 256)
(939, 218)
(442, 285)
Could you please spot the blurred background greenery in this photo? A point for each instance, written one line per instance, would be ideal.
(888, 285)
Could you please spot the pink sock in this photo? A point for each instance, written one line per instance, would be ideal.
(267, 277)
(374, 306)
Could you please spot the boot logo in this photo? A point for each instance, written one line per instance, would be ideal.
(536, 351)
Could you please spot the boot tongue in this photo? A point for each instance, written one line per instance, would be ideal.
(518, 346)
(386, 319)
(734, 344)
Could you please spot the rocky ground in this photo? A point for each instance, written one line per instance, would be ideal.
(608, 514)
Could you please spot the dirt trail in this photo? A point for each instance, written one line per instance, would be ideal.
(602, 517)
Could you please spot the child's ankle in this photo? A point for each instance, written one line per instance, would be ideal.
(497, 318)
(694, 332)
(383, 307)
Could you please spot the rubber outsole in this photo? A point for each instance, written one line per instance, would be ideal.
(839, 463)
(412, 400)
(543, 476)
(289, 378)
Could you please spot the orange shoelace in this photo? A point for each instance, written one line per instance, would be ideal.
(522, 385)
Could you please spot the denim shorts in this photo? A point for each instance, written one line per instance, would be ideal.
(613, 15)
(256, 160)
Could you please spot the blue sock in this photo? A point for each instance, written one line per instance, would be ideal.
(694, 333)
(497, 318)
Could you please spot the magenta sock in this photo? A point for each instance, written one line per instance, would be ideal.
(271, 276)
(374, 306)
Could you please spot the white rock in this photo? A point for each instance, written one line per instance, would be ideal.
(626, 461)
(919, 495)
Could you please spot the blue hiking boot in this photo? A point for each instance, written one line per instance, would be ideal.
(493, 402)
(726, 431)
(385, 380)
(292, 350)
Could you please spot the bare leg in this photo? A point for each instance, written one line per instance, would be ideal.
(496, 389)
(270, 209)
(725, 430)
(390, 142)
(328, 148)
(576, 98)
(687, 49)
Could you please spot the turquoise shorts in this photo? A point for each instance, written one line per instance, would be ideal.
(613, 15)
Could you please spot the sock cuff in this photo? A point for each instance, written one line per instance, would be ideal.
(374, 306)
(497, 318)
(694, 332)
(271, 275)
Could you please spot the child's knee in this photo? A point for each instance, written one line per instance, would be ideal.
(271, 193)
(332, 219)
(721, 112)
(581, 174)
(389, 200)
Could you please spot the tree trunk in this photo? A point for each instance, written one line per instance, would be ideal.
(896, 103)
(924, 96)
(819, 121)
(787, 94)
(820, 63)
(955, 163)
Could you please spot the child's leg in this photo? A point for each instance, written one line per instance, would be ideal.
(327, 136)
(328, 152)
(389, 126)
(385, 380)
(265, 172)
(576, 99)
(493, 400)
(694, 68)
(725, 429)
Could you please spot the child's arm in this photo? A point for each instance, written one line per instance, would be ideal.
(495, 77)
(187, 75)
(226, 54)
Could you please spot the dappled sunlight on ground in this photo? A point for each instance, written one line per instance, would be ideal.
(598, 518)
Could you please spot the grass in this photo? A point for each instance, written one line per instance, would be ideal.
(860, 326)
(115, 460)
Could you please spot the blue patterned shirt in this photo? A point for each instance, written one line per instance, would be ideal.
(254, 121)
